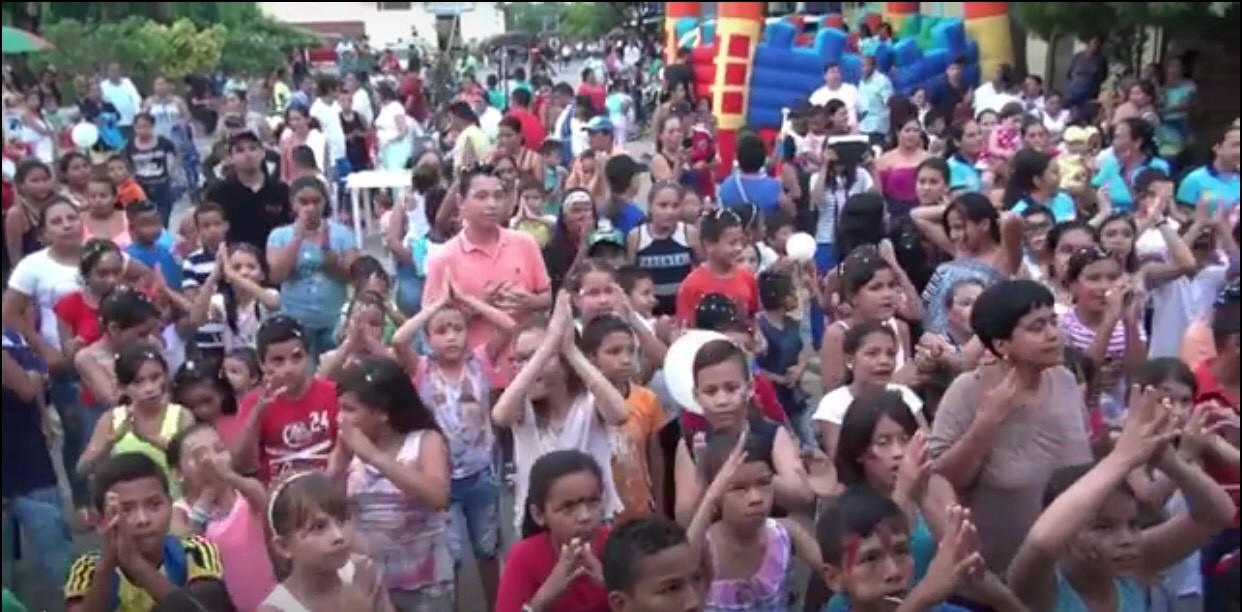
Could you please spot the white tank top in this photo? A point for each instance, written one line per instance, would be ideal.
(281, 599)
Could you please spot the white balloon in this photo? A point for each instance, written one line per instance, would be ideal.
(800, 247)
(679, 366)
(85, 135)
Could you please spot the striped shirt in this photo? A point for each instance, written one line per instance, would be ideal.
(1112, 383)
(194, 272)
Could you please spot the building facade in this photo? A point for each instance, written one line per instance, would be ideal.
(394, 23)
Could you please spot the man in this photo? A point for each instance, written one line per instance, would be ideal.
(874, 93)
(120, 92)
(950, 93)
(254, 202)
(1087, 72)
(998, 92)
(359, 96)
(602, 137)
(593, 89)
(326, 111)
(835, 88)
(532, 127)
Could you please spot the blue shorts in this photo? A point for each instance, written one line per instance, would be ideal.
(476, 514)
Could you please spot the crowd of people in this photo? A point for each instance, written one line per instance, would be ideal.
(1007, 378)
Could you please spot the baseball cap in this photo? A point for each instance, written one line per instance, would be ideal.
(600, 123)
(605, 233)
(244, 136)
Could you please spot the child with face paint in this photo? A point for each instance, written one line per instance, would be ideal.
(865, 544)
(1087, 551)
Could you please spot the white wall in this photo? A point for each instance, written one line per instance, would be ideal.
(479, 20)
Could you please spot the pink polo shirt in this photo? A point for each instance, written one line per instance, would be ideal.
(514, 259)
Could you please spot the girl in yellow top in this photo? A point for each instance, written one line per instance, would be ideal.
(147, 422)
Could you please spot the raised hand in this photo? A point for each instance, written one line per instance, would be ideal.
(957, 559)
(915, 468)
(1148, 427)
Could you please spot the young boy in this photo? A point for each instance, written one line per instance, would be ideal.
(146, 227)
(554, 173)
(639, 290)
(865, 544)
(610, 343)
(619, 208)
(532, 217)
(650, 567)
(140, 563)
(723, 239)
(211, 227)
(128, 190)
(289, 425)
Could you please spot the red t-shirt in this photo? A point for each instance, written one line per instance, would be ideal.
(82, 318)
(529, 564)
(740, 286)
(532, 127)
(1210, 390)
(596, 93)
(296, 434)
(764, 396)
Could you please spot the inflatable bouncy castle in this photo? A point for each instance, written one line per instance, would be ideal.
(752, 68)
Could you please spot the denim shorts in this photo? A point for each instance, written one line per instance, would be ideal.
(476, 514)
(39, 516)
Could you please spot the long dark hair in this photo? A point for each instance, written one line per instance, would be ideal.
(544, 474)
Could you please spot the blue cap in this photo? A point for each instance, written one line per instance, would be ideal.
(600, 123)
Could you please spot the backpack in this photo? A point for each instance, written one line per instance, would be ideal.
(176, 568)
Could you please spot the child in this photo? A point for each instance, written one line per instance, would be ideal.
(723, 239)
(664, 246)
(104, 218)
(145, 229)
(128, 191)
(147, 421)
(241, 369)
(1073, 162)
(637, 464)
(554, 173)
(139, 561)
(201, 386)
(593, 285)
(870, 285)
(1087, 526)
(305, 165)
(870, 351)
(126, 317)
(100, 268)
(693, 207)
(558, 400)
(703, 156)
(864, 541)
(784, 362)
(362, 334)
(395, 463)
(639, 289)
(212, 227)
(532, 215)
(750, 552)
(1006, 137)
(155, 161)
(454, 382)
(650, 567)
(312, 532)
(226, 509)
(236, 294)
(290, 401)
(722, 387)
(556, 566)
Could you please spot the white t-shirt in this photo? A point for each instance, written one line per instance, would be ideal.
(362, 105)
(833, 406)
(386, 129)
(45, 281)
(583, 429)
(248, 319)
(846, 93)
(329, 118)
(987, 98)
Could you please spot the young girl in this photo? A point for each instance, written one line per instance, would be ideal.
(154, 160)
(202, 387)
(722, 388)
(313, 532)
(367, 275)
(224, 507)
(1106, 324)
(103, 218)
(126, 317)
(870, 286)
(783, 362)
(362, 336)
(236, 295)
(556, 566)
(241, 368)
(750, 553)
(664, 246)
(532, 215)
(1085, 551)
(395, 463)
(146, 421)
(77, 314)
(558, 400)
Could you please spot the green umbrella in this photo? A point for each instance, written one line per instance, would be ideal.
(17, 41)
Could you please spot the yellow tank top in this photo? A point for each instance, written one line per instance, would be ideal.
(131, 443)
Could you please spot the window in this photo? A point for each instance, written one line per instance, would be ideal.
(394, 6)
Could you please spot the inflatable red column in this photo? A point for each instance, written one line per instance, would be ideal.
(673, 13)
(739, 26)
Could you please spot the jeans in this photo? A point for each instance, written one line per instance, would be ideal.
(318, 342)
(825, 260)
(164, 198)
(40, 515)
(77, 422)
(476, 514)
(409, 293)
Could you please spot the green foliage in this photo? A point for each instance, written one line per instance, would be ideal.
(591, 20)
(1051, 19)
(533, 16)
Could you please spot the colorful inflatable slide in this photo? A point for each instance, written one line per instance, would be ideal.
(753, 68)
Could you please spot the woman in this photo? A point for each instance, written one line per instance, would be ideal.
(896, 170)
(568, 244)
(1134, 148)
(392, 130)
(984, 246)
(169, 110)
(74, 172)
(1035, 179)
(1140, 103)
(471, 146)
(510, 143)
(36, 132)
(669, 160)
(1176, 100)
(298, 131)
(963, 148)
(677, 104)
(235, 104)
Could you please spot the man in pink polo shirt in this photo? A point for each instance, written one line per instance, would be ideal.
(500, 266)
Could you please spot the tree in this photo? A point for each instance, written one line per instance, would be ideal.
(533, 16)
(592, 20)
